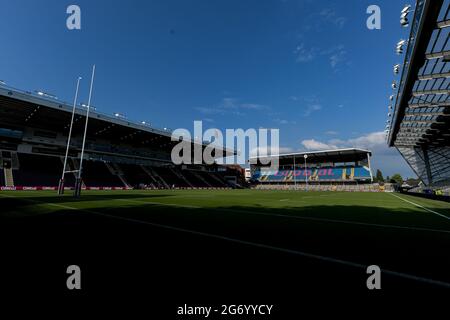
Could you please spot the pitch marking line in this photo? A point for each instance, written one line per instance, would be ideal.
(284, 250)
(422, 207)
(290, 216)
(349, 222)
(159, 203)
(254, 244)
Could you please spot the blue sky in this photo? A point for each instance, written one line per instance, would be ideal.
(310, 68)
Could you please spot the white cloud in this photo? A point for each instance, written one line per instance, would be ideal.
(284, 121)
(312, 108)
(331, 16)
(374, 140)
(312, 144)
(331, 132)
(304, 54)
(336, 55)
(231, 105)
(267, 150)
(385, 158)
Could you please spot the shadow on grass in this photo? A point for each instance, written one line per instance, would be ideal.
(176, 251)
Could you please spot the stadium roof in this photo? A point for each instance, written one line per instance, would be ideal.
(420, 125)
(421, 114)
(346, 154)
(21, 109)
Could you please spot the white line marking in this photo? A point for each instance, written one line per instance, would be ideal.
(350, 222)
(293, 217)
(259, 245)
(418, 205)
(159, 203)
(284, 250)
(335, 220)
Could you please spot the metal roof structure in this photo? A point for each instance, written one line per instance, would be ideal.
(333, 155)
(23, 109)
(420, 123)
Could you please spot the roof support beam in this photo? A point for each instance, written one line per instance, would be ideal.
(434, 76)
(431, 104)
(437, 55)
(424, 92)
(443, 24)
(425, 114)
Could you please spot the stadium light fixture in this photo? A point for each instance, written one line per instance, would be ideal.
(404, 22)
(45, 94)
(394, 85)
(306, 172)
(399, 46)
(391, 97)
(390, 107)
(389, 114)
(396, 69)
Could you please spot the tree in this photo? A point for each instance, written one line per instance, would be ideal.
(379, 176)
(413, 182)
(396, 178)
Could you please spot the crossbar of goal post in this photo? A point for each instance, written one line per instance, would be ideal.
(78, 181)
(61, 181)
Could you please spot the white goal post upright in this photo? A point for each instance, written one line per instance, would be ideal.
(61, 181)
(78, 182)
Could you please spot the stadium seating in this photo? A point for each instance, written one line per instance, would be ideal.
(314, 174)
(136, 176)
(45, 171)
(328, 187)
(36, 170)
(2, 178)
(96, 174)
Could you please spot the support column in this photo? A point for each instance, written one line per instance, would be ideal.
(426, 160)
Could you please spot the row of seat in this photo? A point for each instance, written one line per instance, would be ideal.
(38, 170)
(328, 187)
(316, 174)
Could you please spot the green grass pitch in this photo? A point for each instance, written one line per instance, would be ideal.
(332, 233)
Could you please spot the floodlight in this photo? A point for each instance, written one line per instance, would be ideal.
(389, 114)
(396, 68)
(394, 85)
(404, 22)
(406, 8)
(391, 97)
(399, 47)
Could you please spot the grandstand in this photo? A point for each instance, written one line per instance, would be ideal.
(339, 169)
(419, 126)
(119, 154)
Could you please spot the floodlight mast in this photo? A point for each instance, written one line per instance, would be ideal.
(78, 182)
(61, 181)
(306, 173)
(295, 176)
